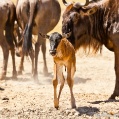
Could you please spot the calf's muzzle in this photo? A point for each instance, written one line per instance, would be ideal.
(52, 52)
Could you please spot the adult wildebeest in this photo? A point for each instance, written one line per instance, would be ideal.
(18, 33)
(7, 40)
(94, 24)
(36, 16)
(63, 54)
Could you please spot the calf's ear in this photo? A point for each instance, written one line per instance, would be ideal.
(44, 35)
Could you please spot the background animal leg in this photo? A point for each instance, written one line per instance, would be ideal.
(70, 84)
(35, 75)
(9, 34)
(116, 51)
(13, 62)
(5, 49)
(43, 48)
(21, 66)
(31, 53)
(55, 83)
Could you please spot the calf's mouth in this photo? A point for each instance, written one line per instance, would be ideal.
(52, 52)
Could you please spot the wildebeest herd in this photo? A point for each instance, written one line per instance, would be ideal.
(92, 25)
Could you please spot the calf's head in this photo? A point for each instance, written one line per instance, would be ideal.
(54, 40)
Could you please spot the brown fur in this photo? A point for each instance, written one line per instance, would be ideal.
(7, 40)
(36, 16)
(65, 56)
(94, 25)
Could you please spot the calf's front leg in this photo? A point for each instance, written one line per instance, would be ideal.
(55, 83)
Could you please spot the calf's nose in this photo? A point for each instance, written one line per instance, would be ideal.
(52, 52)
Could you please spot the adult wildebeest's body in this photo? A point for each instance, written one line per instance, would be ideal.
(94, 24)
(7, 40)
(36, 16)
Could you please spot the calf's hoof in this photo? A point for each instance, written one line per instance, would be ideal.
(56, 103)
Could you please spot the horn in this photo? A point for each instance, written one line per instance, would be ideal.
(44, 36)
(87, 2)
(65, 3)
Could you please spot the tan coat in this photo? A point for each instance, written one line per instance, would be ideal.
(65, 55)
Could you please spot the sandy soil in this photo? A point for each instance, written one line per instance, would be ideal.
(94, 82)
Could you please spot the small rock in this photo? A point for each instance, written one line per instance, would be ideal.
(5, 98)
(67, 112)
(76, 114)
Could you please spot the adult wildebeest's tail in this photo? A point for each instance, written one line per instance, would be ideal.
(27, 44)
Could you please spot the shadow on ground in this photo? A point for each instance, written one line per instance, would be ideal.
(90, 111)
(105, 101)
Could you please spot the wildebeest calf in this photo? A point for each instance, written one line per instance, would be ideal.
(63, 55)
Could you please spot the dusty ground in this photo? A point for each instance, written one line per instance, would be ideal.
(23, 98)
(94, 82)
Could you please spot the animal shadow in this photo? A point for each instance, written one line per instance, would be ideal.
(49, 74)
(2, 89)
(80, 80)
(19, 79)
(90, 111)
(106, 101)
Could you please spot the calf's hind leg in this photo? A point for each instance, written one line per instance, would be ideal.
(62, 80)
(70, 84)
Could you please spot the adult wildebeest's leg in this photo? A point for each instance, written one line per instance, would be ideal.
(116, 52)
(70, 83)
(5, 49)
(43, 48)
(40, 43)
(55, 83)
(11, 41)
(21, 66)
(35, 75)
(13, 62)
(62, 79)
(31, 53)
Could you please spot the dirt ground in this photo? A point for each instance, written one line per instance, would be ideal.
(94, 81)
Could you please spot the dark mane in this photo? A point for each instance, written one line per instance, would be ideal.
(99, 24)
(94, 24)
(93, 39)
